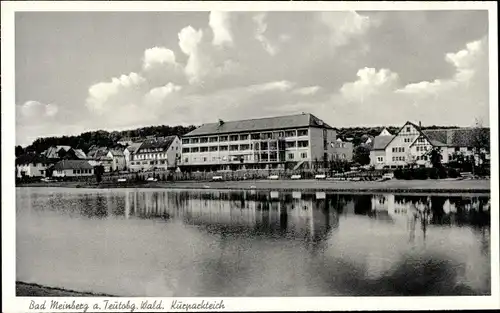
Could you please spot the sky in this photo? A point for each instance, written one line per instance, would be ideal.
(82, 71)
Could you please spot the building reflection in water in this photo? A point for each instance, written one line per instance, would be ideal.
(298, 215)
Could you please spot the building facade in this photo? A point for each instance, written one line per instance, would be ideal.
(160, 153)
(72, 168)
(117, 160)
(342, 150)
(258, 143)
(411, 146)
(32, 165)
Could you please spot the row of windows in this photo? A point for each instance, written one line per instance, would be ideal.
(398, 158)
(264, 157)
(84, 171)
(423, 157)
(422, 148)
(407, 139)
(147, 150)
(244, 147)
(398, 149)
(254, 136)
(152, 156)
(148, 162)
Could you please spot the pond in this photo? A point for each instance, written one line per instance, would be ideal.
(176, 243)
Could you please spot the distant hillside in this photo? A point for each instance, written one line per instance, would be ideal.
(103, 138)
(109, 139)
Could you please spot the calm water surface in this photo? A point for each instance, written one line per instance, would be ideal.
(146, 242)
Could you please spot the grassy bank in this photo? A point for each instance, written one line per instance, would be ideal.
(35, 290)
(413, 186)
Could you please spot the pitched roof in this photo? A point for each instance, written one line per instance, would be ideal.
(80, 154)
(52, 152)
(134, 147)
(32, 158)
(72, 165)
(381, 142)
(161, 143)
(116, 152)
(267, 123)
(98, 152)
(458, 137)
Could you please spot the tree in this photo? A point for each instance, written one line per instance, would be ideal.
(98, 171)
(361, 155)
(435, 157)
(19, 151)
(480, 141)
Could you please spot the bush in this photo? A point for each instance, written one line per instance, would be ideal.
(433, 173)
(442, 173)
(420, 173)
(398, 174)
(453, 173)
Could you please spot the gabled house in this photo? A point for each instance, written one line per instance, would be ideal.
(342, 150)
(56, 152)
(161, 153)
(130, 151)
(72, 168)
(411, 146)
(98, 156)
(32, 165)
(117, 159)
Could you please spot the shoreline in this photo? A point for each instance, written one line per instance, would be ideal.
(35, 290)
(400, 186)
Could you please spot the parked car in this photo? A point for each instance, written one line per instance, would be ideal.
(47, 179)
(388, 176)
(151, 179)
(121, 180)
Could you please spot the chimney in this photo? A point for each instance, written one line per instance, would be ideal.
(420, 124)
(221, 122)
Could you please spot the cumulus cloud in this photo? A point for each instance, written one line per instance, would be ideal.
(158, 56)
(370, 82)
(221, 27)
(119, 90)
(246, 81)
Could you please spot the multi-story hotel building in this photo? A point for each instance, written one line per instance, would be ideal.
(264, 143)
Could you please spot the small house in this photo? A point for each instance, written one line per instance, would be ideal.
(72, 168)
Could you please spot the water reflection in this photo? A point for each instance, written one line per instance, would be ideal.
(238, 243)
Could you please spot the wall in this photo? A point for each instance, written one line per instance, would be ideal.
(374, 154)
(399, 141)
(31, 170)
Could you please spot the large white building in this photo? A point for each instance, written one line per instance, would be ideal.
(258, 143)
(411, 145)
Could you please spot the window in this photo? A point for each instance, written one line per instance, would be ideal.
(469, 149)
(290, 156)
(408, 129)
(302, 132)
(162, 162)
(203, 149)
(244, 147)
(214, 148)
(195, 140)
(273, 145)
(233, 148)
(223, 138)
(290, 133)
(204, 159)
(457, 149)
(186, 160)
(213, 139)
(255, 136)
(233, 138)
(303, 143)
(74, 171)
(203, 140)
(424, 157)
(223, 148)
(393, 159)
(185, 141)
(380, 159)
(263, 146)
(303, 155)
(290, 144)
(195, 149)
(244, 137)
(394, 149)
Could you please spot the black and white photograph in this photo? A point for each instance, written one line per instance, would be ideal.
(208, 156)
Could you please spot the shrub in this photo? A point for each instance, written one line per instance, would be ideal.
(398, 174)
(442, 173)
(420, 173)
(453, 173)
(433, 173)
